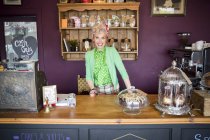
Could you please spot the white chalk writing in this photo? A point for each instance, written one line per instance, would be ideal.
(24, 46)
(200, 137)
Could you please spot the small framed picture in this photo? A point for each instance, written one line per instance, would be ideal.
(12, 2)
(63, 1)
(49, 94)
(168, 7)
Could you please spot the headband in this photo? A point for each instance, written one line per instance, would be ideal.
(100, 27)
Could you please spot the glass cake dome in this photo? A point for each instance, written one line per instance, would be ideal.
(132, 100)
(174, 91)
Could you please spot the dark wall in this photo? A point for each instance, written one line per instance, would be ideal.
(157, 35)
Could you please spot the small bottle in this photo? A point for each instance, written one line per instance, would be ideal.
(72, 100)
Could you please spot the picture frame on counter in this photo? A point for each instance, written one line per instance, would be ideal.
(12, 2)
(49, 94)
(168, 7)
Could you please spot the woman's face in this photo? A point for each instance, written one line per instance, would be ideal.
(100, 40)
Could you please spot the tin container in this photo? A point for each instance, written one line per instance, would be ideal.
(72, 100)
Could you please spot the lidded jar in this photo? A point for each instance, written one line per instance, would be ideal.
(84, 21)
(174, 91)
(132, 21)
(113, 43)
(86, 44)
(125, 44)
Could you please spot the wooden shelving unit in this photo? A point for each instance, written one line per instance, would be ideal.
(65, 11)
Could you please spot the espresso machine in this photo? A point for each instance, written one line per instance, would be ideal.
(188, 60)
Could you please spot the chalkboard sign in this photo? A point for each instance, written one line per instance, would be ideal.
(21, 40)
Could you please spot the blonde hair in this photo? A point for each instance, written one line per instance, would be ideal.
(100, 27)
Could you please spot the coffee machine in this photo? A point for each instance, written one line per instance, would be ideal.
(206, 60)
(188, 60)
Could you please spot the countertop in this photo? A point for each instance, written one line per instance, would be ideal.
(100, 110)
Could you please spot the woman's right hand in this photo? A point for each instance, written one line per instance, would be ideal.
(93, 93)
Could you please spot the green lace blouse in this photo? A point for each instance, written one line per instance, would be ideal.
(101, 71)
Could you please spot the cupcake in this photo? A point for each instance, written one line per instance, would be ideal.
(179, 101)
(167, 101)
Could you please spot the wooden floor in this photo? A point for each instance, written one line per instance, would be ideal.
(100, 110)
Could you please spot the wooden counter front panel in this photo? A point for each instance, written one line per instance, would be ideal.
(130, 134)
(105, 132)
(41, 133)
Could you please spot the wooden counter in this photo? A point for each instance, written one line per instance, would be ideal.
(100, 110)
(92, 114)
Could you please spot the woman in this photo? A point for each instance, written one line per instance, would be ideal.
(101, 64)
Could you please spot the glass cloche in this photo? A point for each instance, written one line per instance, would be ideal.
(174, 91)
(132, 100)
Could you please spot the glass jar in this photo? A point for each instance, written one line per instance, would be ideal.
(117, 1)
(109, 1)
(174, 91)
(132, 21)
(76, 22)
(115, 20)
(113, 43)
(86, 44)
(92, 21)
(123, 21)
(84, 21)
(125, 44)
(99, 1)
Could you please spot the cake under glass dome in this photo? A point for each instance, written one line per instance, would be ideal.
(174, 91)
(132, 100)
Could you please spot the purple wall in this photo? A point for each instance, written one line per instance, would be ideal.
(157, 35)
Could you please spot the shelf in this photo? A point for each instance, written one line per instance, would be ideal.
(127, 52)
(66, 11)
(74, 52)
(126, 55)
(98, 6)
(123, 52)
(88, 28)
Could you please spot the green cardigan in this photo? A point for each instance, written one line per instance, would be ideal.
(113, 61)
